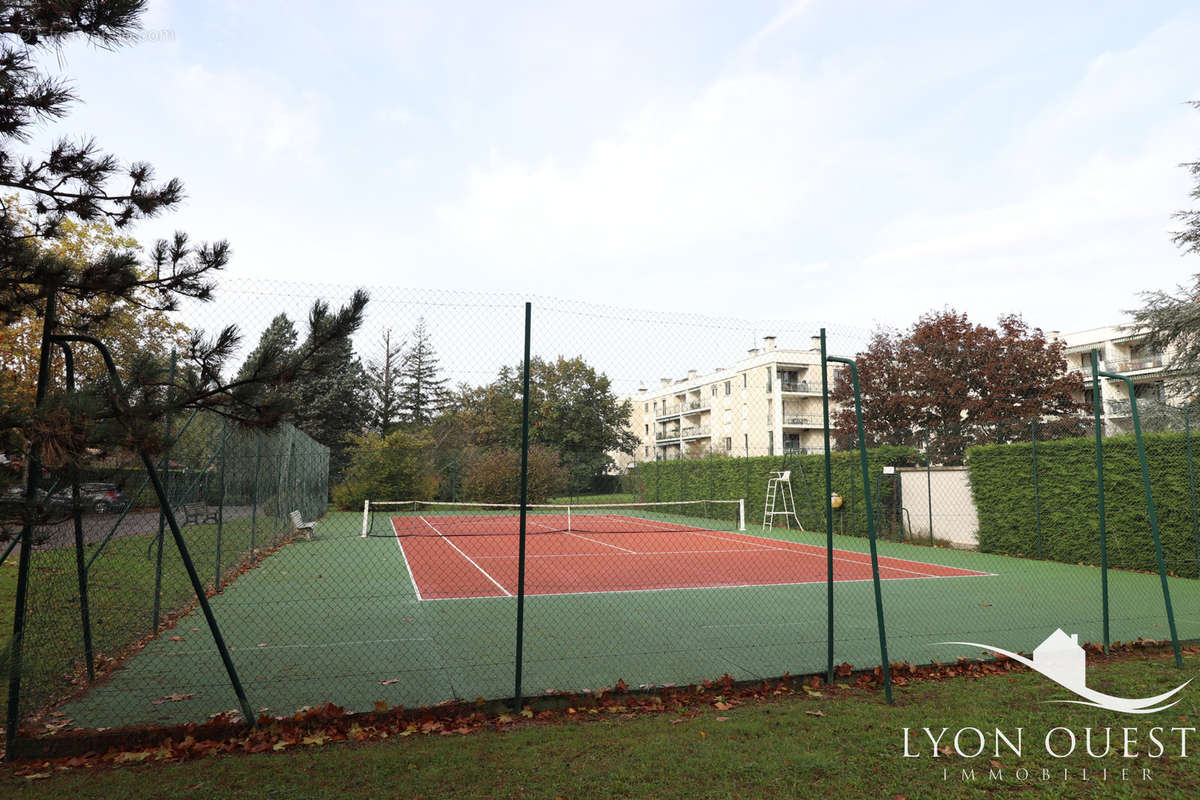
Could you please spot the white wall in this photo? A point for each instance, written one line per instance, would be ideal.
(954, 517)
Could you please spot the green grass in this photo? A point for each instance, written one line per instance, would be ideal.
(844, 746)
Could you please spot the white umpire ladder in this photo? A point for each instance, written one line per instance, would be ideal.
(779, 490)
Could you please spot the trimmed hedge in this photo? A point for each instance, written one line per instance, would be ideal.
(724, 477)
(1002, 485)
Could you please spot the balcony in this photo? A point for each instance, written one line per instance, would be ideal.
(694, 432)
(801, 387)
(664, 436)
(690, 407)
(800, 421)
(1136, 364)
(799, 450)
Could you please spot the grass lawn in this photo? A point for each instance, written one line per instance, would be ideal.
(845, 745)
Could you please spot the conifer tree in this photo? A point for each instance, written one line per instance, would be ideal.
(423, 392)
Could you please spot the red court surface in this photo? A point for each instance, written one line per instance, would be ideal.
(456, 558)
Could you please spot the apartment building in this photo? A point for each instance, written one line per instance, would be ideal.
(1122, 350)
(767, 403)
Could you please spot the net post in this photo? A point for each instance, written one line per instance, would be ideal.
(741, 513)
(366, 516)
(568, 517)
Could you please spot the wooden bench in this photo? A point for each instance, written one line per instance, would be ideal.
(195, 513)
(301, 527)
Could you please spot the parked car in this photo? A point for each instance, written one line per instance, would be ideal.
(101, 497)
(12, 505)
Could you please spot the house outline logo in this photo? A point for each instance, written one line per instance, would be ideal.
(1062, 660)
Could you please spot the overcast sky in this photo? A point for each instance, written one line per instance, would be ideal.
(840, 163)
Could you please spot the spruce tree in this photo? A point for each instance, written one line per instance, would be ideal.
(423, 392)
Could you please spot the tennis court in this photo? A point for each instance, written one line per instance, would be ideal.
(470, 555)
(339, 619)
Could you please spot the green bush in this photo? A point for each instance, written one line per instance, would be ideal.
(728, 478)
(494, 475)
(392, 467)
(1003, 487)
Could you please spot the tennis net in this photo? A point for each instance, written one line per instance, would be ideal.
(436, 518)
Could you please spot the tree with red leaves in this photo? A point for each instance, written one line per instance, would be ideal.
(951, 383)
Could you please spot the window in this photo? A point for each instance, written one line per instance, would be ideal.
(770, 443)
(746, 442)
(645, 407)
(768, 379)
(655, 406)
(728, 444)
(728, 388)
(647, 429)
(647, 451)
(745, 379)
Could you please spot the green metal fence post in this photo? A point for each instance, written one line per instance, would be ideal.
(1158, 552)
(866, 476)
(1037, 500)
(1100, 492)
(32, 481)
(258, 441)
(524, 509)
(1187, 434)
(929, 481)
(165, 466)
(828, 517)
(221, 501)
(77, 523)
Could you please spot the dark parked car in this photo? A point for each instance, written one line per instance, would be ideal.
(12, 505)
(100, 497)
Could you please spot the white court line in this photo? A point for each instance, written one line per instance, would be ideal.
(809, 552)
(407, 566)
(507, 593)
(727, 586)
(630, 552)
(578, 536)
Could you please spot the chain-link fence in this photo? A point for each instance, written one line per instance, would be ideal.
(676, 523)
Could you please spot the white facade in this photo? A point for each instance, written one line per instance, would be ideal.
(768, 403)
(1122, 350)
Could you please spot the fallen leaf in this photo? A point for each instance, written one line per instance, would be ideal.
(176, 639)
(722, 706)
(815, 713)
(381, 706)
(390, 681)
(527, 713)
(720, 719)
(703, 735)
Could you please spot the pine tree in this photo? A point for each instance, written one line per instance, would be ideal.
(423, 393)
(76, 182)
(329, 406)
(383, 381)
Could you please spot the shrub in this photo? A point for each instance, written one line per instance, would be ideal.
(494, 475)
(392, 467)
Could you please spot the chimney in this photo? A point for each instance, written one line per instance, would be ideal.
(753, 351)
(815, 343)
(692, 374)
(769, 343)
(664, 381)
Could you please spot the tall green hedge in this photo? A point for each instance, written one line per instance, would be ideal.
(1003, 489)
(727, 478)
